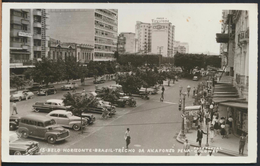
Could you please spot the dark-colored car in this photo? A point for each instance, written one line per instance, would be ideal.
(47, 90)
(18, 146)
(35, 87)
(90, 117)
(49, 105)
(42, 127)
(14, 122)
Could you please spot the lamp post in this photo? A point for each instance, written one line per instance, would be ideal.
(183, 111)
(207, 143)
(180, 90)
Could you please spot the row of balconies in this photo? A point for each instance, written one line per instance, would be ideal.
(107, 13)
(22, 45)
(104, 27)
(106, 20)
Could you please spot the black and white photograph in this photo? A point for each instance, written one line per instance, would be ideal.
(129, 83)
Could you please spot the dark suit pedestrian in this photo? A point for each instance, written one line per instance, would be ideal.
(200, 135)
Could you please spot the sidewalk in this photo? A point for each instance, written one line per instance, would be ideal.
(228, 146)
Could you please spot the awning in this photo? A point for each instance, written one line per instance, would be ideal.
(20, 52)
(220, 100)
(235, 104)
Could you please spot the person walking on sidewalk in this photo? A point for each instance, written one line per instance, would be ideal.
(222, 130)
(211, 133)
(162, 96)
(14, 108)
(242, 142)
(186, 147)
(127, 137)
(200, 133)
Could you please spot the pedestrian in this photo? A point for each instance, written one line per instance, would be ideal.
(222, 130)
(227, 127)
(242, 142)
(14, 108)
(230, 121)
(83, 92)
(127, 137)
(200, 133)
(211, 133)
(186, 147)
(188, 89)
(162, 96)
(194, 91)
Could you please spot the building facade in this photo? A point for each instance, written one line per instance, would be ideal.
(180, 47)
(96, 27)
(126, 42)
(28, 40)
(162, 37)
(143, 37)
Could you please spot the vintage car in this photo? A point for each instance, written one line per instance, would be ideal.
(67, 119)
(21, 95)
(49, 105)
(35, 87)
(105, 104)
(97, 107)
(19, 146)
(99, 80)
(47, 90)
(89, 117)
(152, 90)
(70, 86)
(195, 78)
(129, 101)
(14, 122)
(42, 127)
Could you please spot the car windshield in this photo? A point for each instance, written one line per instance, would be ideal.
(49, 123)
(13, 137)
(69, 114)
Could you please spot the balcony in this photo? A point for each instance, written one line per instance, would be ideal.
(26, 22)
(222, 38)
(37, 36)
(16, 33)
(37, 12)
(37, 24)
(243, 36)
(25, 47)
(37, 48)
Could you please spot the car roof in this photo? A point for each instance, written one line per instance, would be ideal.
(35, 117)
(195, 107)
(60, 112)
(55, 100)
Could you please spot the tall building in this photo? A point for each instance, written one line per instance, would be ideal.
(162, 37)
(126, 42)
(97, 27)
(143, 37)
(28, 40)
(180, 47)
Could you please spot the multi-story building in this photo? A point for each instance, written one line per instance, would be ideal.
(143, 37)
(180, 47)
(82, 52)
(162, 37)
(28, 40)
(97, 27)
(126, 42)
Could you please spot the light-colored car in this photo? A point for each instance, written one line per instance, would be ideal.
(21, 95)
(19, 146)
(195, 78)
(67, 119)
(70, 86)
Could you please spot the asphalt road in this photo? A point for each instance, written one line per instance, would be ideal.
(153, 126)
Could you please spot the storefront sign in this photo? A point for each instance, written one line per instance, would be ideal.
(160, 27)
(24, 34)
(160, 21)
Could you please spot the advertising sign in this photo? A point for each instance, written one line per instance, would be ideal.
(24, 34)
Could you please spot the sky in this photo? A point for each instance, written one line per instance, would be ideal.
(194, 24)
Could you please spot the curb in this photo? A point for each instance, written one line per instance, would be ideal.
(223, 151)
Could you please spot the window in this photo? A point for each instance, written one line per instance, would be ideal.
(54, 115)
(31, 122)
(14, 26)
(16, 13)
(40, 124)
(62, 116)
(24, 27)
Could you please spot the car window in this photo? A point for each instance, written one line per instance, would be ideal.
(49, 123)
(40, 124)
(62, 116)
(48, 103)
(31, 122)
(54, 115)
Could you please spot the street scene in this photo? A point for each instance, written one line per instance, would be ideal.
(85, 82)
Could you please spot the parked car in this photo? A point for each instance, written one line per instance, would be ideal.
(50, 105)
(99, 80)
(47, 90)
(195, 78)
(70, 86)
(21, 95)
(67, 119)
(35, 87)
(14, 122)
(18, 146)
(42, 127)
(129, 101)
(107, 105)
(96, 107)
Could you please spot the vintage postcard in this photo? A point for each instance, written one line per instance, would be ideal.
(129, 83)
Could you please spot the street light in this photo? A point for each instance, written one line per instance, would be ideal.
(183, 113)
(180, 90)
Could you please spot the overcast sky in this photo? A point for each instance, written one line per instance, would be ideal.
(196, 24)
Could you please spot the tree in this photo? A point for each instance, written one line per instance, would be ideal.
(116, 55)
(46, 71)
(213, 60)
(77, 103)
(130, 83)
(72, 68)
(17, 82)
(96, 69)
(149, 78)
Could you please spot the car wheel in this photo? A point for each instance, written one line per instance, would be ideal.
(12, 127)
(23, 132)
(76, 127)
(51, 139)
(17, 153)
